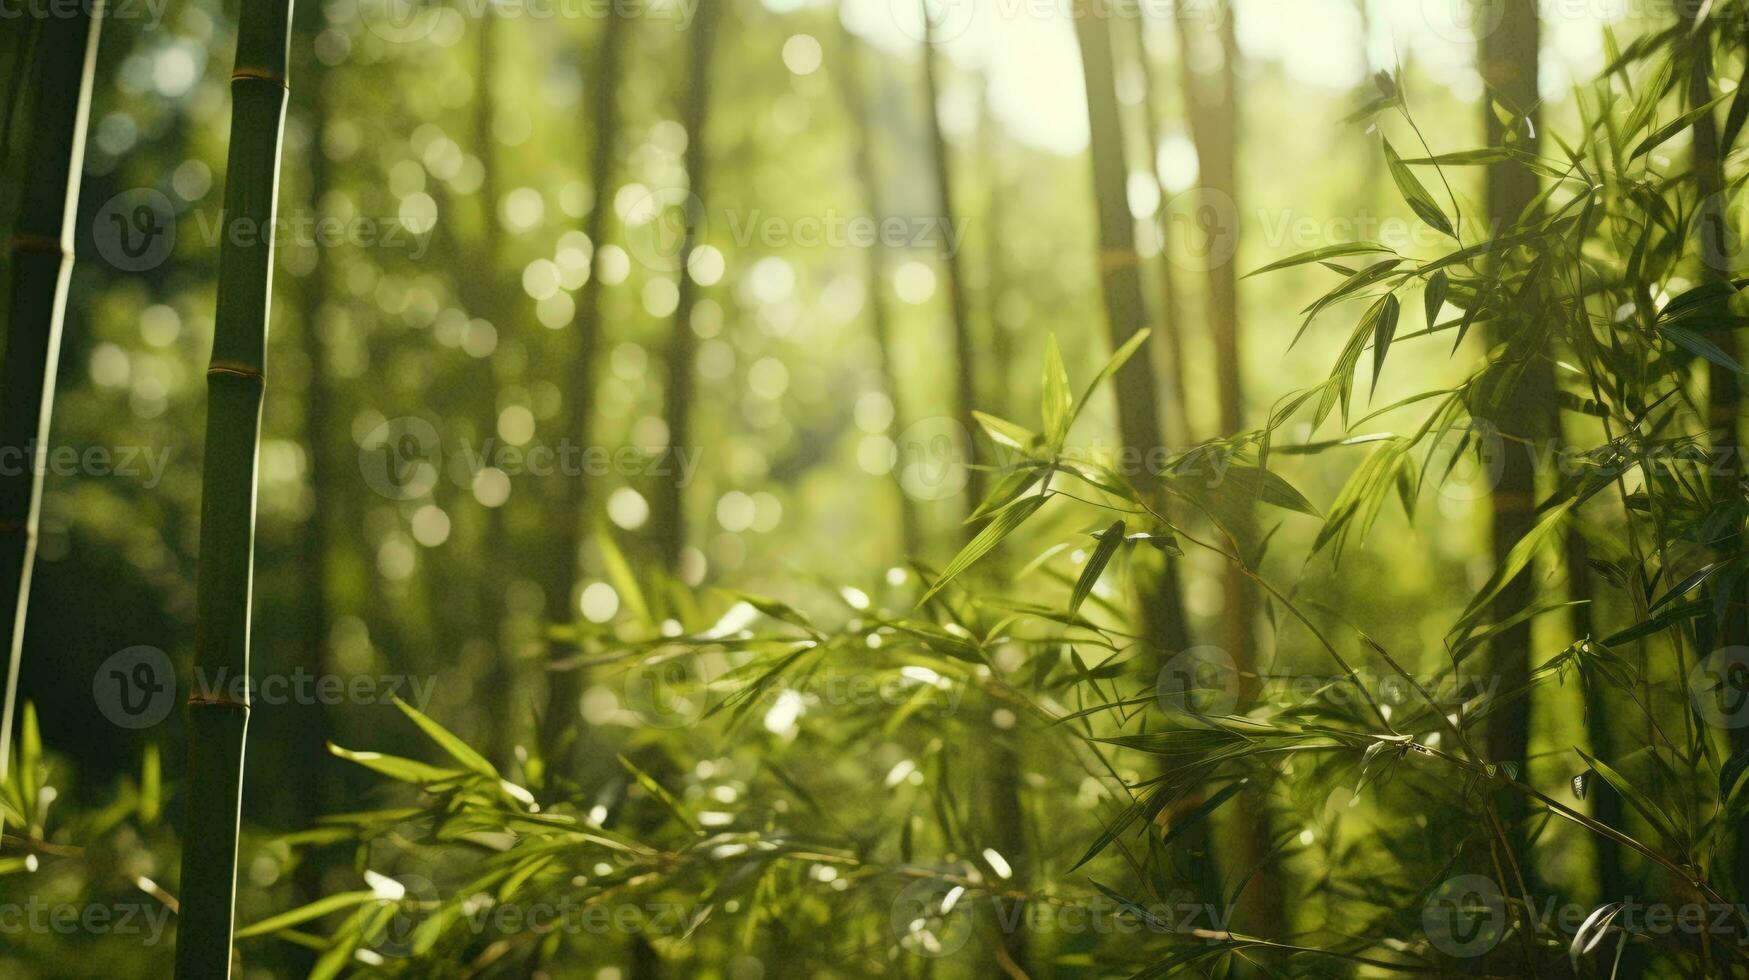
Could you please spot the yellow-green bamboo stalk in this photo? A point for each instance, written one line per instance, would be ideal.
(668, 510)
(218, 722)
(58, 64)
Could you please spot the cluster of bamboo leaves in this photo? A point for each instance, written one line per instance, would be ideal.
(1603, 279)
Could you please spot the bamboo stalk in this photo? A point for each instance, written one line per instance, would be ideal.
(576, 420)
(1509, 67)
(55, 103)
(668, 514)
(1214, 124)
(1121, 285)
(1724, 391)
(965, 390)
(879, 313)
(217, 723)
(1171, 300)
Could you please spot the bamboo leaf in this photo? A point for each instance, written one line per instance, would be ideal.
(1415, 194)
(1109, 540)
(1652, 812)
(1433, 298)
(1320, 254)
(999, 527)
(1119, 358)
(1699, 346)
(1057, 403)
(1674, 126)
(1383, 330)
(446, 740)
(314, 910)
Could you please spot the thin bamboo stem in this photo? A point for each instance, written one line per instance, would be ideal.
(55, 102)
(218, 722)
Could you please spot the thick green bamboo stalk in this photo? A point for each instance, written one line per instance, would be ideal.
(1724, 391)
(577, 418)
(1138, 409)
(1509, 67)
(217, 722)
(668, 513)
(965, 391)
(52, 106)
(1213, 110)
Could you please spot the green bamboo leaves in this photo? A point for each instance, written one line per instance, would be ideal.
(1415, 194)
(52, 110)
(217, 723)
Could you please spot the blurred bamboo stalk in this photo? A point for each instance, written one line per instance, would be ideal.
(217, 722)
(668, 510)
(1171, 319)
(850, 79)
(965, 385)
(577, 407)
(1212, 107)
(54, 103)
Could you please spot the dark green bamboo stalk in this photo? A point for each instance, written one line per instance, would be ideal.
(217, 723)
(576, 420)
(668, 513)
(1509, 68)
(965, 391)
(1120, 282)
(53, 106)
(850, 75)
(501, 673)
(1724, 391)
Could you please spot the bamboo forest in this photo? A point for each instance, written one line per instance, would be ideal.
(922, 489)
